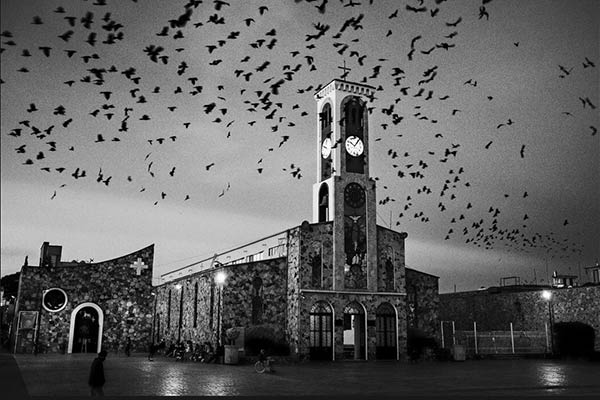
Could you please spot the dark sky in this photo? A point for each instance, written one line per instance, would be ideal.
(493, 170)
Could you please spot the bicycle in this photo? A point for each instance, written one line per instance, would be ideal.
(261, 366)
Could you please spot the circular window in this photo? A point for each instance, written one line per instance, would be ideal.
(54, 300)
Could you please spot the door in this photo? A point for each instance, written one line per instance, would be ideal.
(321, 332)
(385, 326)
(85, 339)
(354, 332)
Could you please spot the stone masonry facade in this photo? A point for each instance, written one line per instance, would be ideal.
(527, 310)
(124, 298)
(280, 293)
(423, 296)
(253, 294)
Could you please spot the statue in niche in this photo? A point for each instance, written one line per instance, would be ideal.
(354, 241)
(257, 300)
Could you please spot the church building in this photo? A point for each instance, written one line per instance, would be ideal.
(82, 307)
(335, 288)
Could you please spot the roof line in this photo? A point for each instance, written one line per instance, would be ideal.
(225, 252)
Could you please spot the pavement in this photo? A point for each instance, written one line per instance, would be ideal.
(57, 375)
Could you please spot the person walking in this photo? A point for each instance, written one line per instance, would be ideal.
(96, 380)
(128, 347)
(152, 347)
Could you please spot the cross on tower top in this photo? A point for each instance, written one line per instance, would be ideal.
(346, 71)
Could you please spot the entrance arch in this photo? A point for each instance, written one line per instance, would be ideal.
(385, 329)
(355, 324)
(85, 330)
(321, 331)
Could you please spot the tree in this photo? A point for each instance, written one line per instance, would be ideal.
(10, 283)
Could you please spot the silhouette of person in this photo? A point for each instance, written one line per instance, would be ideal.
(96, 380)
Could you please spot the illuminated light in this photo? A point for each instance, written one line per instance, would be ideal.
(220, 278)
(546, 294)
(178, 287)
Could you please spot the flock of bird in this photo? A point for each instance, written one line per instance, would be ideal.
(260, 87)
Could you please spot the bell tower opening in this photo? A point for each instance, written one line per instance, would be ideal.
(324, 203)
(326, 143)
(353, 119)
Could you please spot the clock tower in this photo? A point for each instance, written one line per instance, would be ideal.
(344, 193)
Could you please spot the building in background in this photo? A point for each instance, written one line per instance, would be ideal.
(563, 317)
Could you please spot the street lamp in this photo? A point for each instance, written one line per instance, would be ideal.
(547, 295)
(220, 281)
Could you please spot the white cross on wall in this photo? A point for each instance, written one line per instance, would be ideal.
(139, 266)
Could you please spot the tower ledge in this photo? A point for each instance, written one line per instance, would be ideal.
(345, 86)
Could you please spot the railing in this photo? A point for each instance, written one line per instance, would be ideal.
(497, 341)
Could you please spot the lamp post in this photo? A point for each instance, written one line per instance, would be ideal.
(547, 295)
(220, 281)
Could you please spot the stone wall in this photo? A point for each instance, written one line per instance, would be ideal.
(390, 262)
(253, 294)
(423, 295)
(494, 309)
(124, 297)
(316, 256)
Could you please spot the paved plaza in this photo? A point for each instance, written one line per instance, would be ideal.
(66, 375)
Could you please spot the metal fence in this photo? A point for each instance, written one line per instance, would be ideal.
(497, 341)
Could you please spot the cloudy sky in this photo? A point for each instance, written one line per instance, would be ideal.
(195, 124)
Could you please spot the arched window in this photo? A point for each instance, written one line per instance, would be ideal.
(353, 116)
(257, 300)
(353, 119)
(157, 335)
(325, 117)
(169, 311)
(316, 265)
(390, 275)
(180, 325)
(212, 305)
(324, 203)
(196, 305)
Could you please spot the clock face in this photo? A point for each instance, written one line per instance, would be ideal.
(354, 146)
(54, 300)
(326, 148)
(354, 195)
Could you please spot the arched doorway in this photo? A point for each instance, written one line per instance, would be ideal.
(321, 331)
(85, 331)
(385, 330)
(574, 339)
(354, 332)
